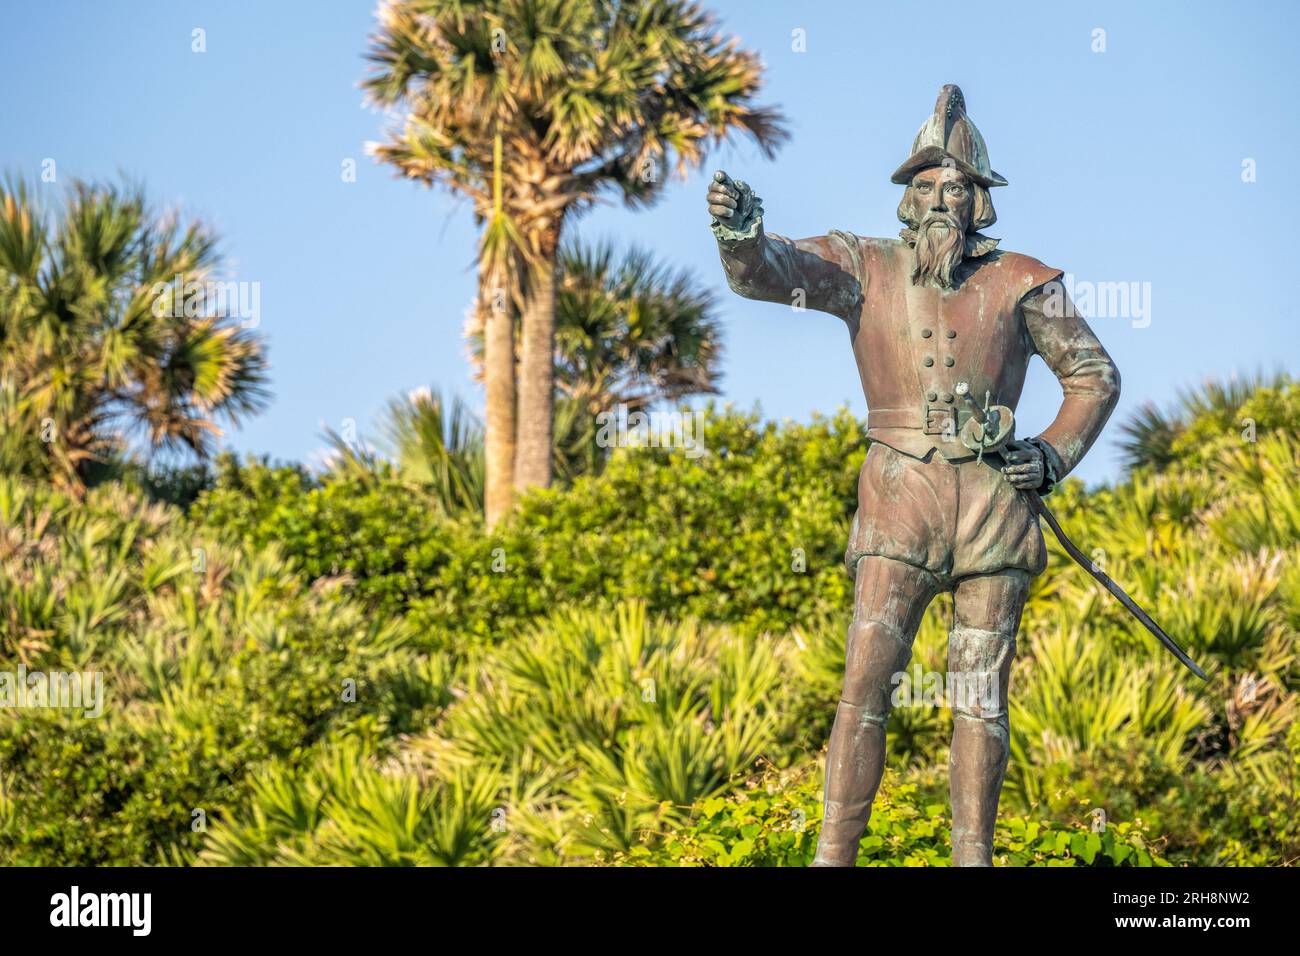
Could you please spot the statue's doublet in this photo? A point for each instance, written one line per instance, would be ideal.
(914, 343)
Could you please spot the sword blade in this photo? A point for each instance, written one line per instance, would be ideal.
(1082, 560)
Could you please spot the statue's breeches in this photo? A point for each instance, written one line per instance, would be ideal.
(891, 596)
(950, 518)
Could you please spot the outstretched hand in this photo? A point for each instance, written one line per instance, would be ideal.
(724, 199)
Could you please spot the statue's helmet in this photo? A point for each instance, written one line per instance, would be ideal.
(949, 138)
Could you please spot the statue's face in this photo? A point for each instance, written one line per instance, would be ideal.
(942, 203)
(943, 189)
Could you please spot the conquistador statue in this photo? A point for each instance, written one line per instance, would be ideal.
(943, 325)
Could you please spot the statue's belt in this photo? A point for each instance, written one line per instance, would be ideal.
(927, 419)
(985, 429)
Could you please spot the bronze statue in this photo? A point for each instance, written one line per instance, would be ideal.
(942, 325)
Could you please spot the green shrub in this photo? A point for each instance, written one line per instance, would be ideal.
(716, 537)
(775, 821)
(214, 662)
(331, 673)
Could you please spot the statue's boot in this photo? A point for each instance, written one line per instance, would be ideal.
(855, 763)
(855, 759)
(979, 663)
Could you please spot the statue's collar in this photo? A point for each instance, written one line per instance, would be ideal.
(977, 244)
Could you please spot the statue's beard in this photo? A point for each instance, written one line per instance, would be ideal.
(940, 248)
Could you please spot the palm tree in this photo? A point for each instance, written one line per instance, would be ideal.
(439, 445)
(584, 98)
(427, 442)
(1151, 435)
(96, 346)
(629, 331)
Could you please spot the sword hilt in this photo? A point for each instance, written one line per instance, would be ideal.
(989, 419)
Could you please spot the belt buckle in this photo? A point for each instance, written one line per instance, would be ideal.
(941, 420)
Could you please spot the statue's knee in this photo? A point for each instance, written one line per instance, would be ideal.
(979, 663)
(874, 653)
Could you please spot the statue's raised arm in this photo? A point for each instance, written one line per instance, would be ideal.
(821, 273)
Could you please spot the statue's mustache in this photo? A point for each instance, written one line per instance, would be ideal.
(940, 218)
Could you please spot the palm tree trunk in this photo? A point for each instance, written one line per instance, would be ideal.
(499, 381)
(537, 375)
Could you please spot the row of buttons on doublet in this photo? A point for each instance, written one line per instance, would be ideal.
(928, 362)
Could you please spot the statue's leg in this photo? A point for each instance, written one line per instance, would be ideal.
(980, 650)
(890, 598)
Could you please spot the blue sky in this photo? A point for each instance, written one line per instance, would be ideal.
(1124, 166)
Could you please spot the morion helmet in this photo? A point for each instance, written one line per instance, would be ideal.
(949, 137)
